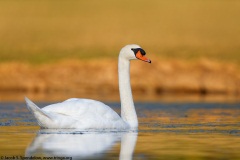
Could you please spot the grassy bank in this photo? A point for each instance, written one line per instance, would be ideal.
(99, 79)
(47, 31)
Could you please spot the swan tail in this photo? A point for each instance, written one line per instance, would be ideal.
(41, 116)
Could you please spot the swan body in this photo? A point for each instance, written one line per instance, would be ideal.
(77, 113)
(91, 114)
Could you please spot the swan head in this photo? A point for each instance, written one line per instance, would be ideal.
(133, 51)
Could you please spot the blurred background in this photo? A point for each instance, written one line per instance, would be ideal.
(53, 50)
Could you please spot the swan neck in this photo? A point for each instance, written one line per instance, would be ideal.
(128, 112)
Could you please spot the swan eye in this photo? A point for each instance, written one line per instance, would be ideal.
(135, 50)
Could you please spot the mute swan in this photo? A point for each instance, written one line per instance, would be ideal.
(90, 114)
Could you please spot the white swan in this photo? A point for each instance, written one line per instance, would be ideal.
(90, 114)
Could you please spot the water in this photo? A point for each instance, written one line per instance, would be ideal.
(166, 131)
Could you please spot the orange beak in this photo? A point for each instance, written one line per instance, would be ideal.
(142, 57)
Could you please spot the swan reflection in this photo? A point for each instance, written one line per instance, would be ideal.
(81, 145)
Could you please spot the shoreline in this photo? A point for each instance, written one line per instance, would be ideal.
(99, 77)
